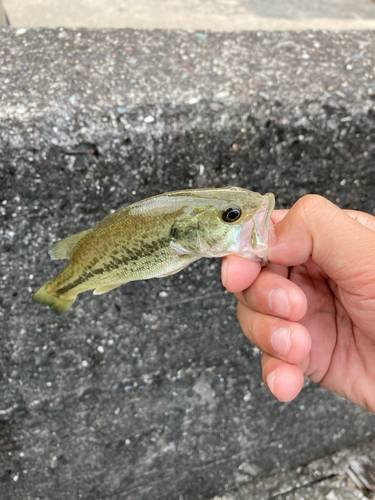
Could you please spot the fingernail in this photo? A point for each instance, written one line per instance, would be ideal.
(280, 340)
(224, 267)
(271, 380)
(278, 302)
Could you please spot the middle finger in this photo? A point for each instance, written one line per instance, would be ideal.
(275, 295)
(283, 339)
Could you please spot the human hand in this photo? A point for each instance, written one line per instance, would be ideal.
(311, 309)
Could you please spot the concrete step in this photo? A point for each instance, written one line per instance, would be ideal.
(215, 15)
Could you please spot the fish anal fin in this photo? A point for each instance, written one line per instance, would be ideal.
(62, 249)
(106, 288)
(186, 263)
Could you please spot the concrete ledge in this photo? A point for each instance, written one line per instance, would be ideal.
(221, 15)
(151, 391)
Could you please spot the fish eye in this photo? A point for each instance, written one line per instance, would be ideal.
(231, 214)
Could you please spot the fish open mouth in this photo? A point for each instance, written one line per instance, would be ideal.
(254, 233)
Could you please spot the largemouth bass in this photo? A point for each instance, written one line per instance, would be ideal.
(157, 237)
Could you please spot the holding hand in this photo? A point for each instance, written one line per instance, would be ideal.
(311, 309)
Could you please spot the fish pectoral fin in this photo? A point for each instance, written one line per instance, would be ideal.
(179, 248)
(62, 249)
(104, 289)
(184, 236)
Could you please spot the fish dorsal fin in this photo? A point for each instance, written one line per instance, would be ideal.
(62, 249)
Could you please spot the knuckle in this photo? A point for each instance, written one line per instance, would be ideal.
(311, 210)
(311, 203)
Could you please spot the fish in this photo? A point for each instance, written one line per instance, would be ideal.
(157, 237)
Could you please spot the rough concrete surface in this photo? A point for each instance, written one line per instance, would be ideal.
(151, 391)
(323, 478)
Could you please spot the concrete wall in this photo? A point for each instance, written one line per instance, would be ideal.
(151, 391)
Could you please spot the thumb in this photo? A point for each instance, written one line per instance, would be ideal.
(342, 247)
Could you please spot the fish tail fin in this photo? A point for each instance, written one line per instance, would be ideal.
(58, 302)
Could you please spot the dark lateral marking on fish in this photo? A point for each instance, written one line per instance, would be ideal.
(66, 288)
(130, 255)
(135, 253)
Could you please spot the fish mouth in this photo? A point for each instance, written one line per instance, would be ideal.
(254, 233)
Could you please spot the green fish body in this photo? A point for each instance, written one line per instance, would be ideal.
(157, 237)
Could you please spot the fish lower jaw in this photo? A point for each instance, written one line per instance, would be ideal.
(253, 238)
(258, 255)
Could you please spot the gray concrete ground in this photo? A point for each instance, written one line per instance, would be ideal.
(215, 15)
(151, 391)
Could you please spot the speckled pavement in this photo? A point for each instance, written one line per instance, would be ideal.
(151, 391)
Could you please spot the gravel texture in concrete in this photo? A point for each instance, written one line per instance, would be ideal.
(151, 391)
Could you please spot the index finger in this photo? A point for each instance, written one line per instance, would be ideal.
(238, 273)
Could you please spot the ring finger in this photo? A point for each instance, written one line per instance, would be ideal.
(280, 338)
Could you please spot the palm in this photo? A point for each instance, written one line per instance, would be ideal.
(342, 353)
